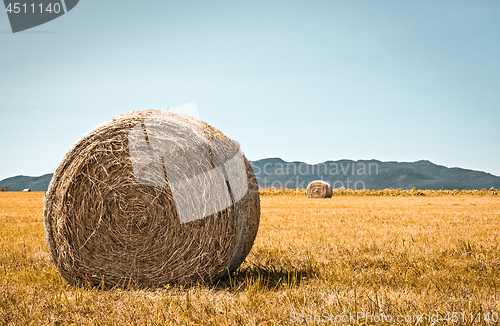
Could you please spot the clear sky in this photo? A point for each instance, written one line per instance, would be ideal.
(300, 80)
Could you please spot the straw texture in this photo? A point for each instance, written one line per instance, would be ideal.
(104, 226)
(319, 189)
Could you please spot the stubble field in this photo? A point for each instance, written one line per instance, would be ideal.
(352, 259)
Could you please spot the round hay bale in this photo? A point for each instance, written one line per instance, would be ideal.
(150, 198)
(319, 189)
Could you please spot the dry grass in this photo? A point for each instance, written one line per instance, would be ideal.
(384, 192)
(374, 254)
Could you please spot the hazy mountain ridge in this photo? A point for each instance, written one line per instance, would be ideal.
(369, 174)
(20, 182)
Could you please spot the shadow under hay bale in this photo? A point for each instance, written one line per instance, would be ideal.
(319, 189)
(144, 200)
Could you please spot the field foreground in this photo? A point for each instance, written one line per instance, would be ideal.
(344, 260)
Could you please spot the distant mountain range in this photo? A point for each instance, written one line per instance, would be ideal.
(21, 182)
(368, 174)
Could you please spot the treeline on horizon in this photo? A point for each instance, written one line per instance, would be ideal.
(384, 192)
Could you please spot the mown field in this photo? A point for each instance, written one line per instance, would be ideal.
(410, 254)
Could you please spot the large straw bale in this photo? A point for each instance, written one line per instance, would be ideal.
(149, 198)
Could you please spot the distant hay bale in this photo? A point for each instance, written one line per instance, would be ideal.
(150, 198)
(27, 190)
(319, 189)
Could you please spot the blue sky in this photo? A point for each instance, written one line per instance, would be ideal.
(308, 81)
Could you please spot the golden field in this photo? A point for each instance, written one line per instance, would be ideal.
(419, 254)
